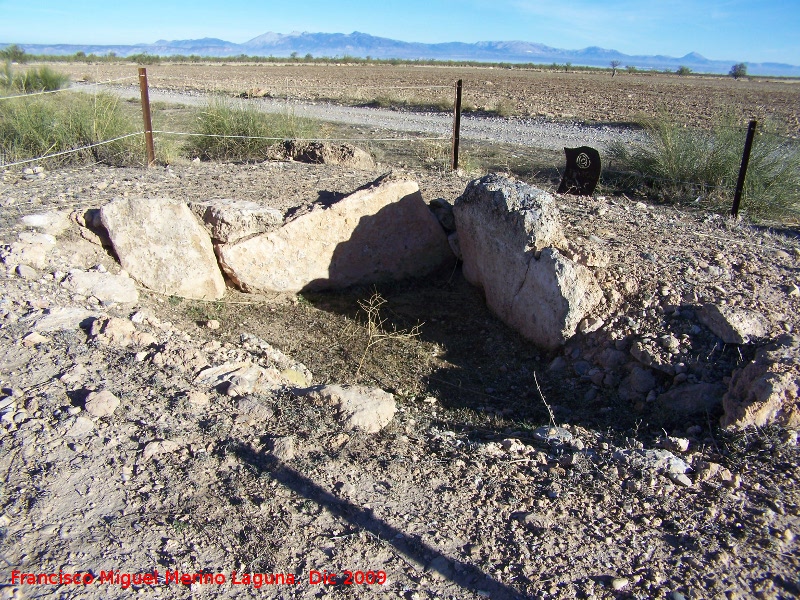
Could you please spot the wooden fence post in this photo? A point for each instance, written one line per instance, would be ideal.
(748, 145)
(148, 125)
(456, 124)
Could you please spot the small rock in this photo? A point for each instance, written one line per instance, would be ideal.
(619, 583)
(283, 448)
(197, 398)
(159, 447)
(34, 338)
(27, 272)
(101, 404)
(212, 324)
(80, 427)
(253, 412)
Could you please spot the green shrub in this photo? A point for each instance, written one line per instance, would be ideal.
(43, 79)
(681, 164)
(33, 127)
(246, 131)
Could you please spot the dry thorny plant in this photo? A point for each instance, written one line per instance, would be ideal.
(376, 329)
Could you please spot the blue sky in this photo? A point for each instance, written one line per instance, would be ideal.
(738, 30)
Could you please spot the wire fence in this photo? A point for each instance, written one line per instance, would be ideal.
(617, 168)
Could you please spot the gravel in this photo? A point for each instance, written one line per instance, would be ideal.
(532, 132)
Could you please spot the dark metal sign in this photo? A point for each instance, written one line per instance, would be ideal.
(582, 171)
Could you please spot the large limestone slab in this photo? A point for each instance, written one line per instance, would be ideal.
(162, 245)
(510, 235)
(231, 220)
(380, 232)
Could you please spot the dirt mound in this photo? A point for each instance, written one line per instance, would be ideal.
(505, 472)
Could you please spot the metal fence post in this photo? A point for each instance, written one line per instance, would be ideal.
(148, 125)
(456, 123)
(748, 145)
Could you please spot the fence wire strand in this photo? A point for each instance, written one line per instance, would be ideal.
(71, 88)
(70, 151)
(280, 139)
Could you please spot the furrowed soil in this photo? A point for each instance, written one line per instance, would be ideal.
(458, 497)
(584, 96)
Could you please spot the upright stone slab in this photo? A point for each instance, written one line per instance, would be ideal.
(162, 245)
(381, 232)
(510, 237)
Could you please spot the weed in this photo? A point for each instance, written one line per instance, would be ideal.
(33, 127)
(43, 79)
(241, 132)
(376, 327)
(503, 108)
(682, 164)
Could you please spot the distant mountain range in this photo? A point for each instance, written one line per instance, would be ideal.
(363, 45)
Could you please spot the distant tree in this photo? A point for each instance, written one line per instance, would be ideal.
(614, 64)
(738, 70)
(293, 56)
(308, 56)
(682, 70)
(631, 69)
(14, 53)
(567, 67)
(80, 55)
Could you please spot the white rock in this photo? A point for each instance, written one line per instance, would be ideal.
(231, 220)
(64, 318)
(733, 325)
(53, 223)
(101, 404)
(509, 234)
(162, 245)
(103, 286)
(359, 407)
(382, 232)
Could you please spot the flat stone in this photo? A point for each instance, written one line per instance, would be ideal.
(34, 338)
(660, 461)
(231, 220)
(163, 246)
(552, 435)
(53, 223)
(359, 407)
(64, 318)
(105, 287)
(80, 427)
(733, 325)
(101, 404)
(253, 412)
(27, 272)
(381, 232)
(692, 398)
(158, 447)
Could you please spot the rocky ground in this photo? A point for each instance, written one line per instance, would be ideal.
(598, 470)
